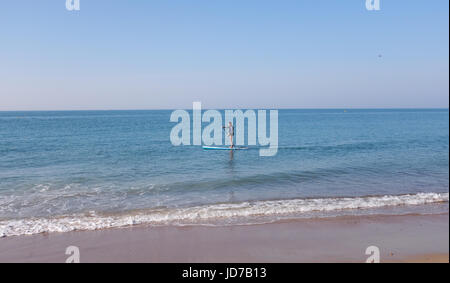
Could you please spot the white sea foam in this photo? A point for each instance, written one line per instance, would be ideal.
(214, 212)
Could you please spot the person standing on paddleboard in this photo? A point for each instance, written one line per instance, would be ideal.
(230, 133)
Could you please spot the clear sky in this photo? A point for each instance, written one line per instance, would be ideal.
(151, 54)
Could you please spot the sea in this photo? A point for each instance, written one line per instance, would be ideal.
(64, 171)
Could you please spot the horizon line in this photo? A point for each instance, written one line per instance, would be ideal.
(266, 108)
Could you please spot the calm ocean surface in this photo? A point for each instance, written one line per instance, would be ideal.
(61, 171)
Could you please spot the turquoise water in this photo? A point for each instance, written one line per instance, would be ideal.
(98, 164)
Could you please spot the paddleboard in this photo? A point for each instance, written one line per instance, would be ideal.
(223, 148)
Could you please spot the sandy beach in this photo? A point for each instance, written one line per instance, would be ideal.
(411, 238)
(234, 134)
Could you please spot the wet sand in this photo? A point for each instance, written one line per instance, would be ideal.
(427, 258)
(412, 238)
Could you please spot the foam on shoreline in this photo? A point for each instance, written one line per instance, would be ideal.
(213, 213)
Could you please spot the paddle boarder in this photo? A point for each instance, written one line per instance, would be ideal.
(230, 133)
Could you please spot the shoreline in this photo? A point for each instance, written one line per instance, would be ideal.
(234, 213)
(403, 238)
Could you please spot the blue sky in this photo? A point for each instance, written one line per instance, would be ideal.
(151, 54)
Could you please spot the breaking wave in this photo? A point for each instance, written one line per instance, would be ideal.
(214, 213)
